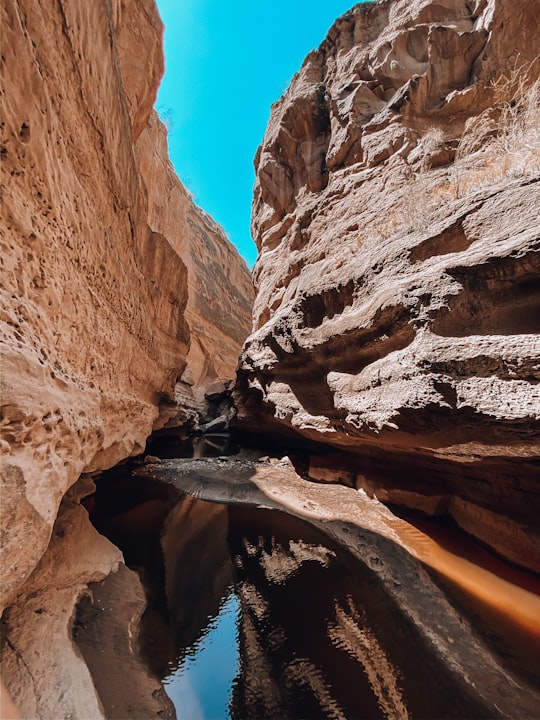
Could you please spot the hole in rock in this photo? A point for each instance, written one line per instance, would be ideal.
(24, 132)
(498, 298)
(453, 240)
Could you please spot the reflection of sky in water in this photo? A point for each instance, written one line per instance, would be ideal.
(201, 687)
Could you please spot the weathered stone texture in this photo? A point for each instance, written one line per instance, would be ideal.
(220, 291)
(109, 273)
(95, 229)
(43, 672)
(396, 210)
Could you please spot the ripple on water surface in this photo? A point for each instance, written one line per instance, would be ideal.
(201, 686)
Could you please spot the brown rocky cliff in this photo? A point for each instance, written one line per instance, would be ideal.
(220, 291)
(396, 212)
(98, 299)
(113, 283)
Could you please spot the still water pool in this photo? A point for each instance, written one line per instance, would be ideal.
(201, 686)
(254, 614)
(269, 619)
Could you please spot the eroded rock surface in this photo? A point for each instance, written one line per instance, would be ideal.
(396, 212)
(114, 286)
(108, 267)
(43, 672)
(220, 291)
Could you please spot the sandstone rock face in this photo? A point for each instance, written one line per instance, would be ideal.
(107, 263)
(220, 291)
(44, 674)
(113, 285)
(396, 212)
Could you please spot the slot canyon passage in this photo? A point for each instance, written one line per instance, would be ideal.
(309, 491)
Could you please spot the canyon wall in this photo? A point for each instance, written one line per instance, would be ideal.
(396, 212)
(220, 292)
(114, 287)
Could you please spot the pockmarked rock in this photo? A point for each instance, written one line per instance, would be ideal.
(113, 282)
(118, 297)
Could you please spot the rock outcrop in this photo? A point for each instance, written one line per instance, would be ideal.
(115, 286)
(396, 211)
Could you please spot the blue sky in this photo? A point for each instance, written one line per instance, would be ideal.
(226, 63)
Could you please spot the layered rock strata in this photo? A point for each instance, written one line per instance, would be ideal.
(114, 285)
(396, 211)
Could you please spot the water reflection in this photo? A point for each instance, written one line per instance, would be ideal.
(253, 614)
(266, 618)
(503, 600)
(201, 686)
(306, 646)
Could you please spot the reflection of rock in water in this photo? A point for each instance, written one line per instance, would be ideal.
(288, 585)
(319, 637)
(319, 634)
(198, 570)
(178, 545)
(105, 632)
(351, 632)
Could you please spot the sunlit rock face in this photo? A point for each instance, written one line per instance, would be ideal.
(114, 285)
(113, 282)
(42, 670)
(396, 212)
(220, 291)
